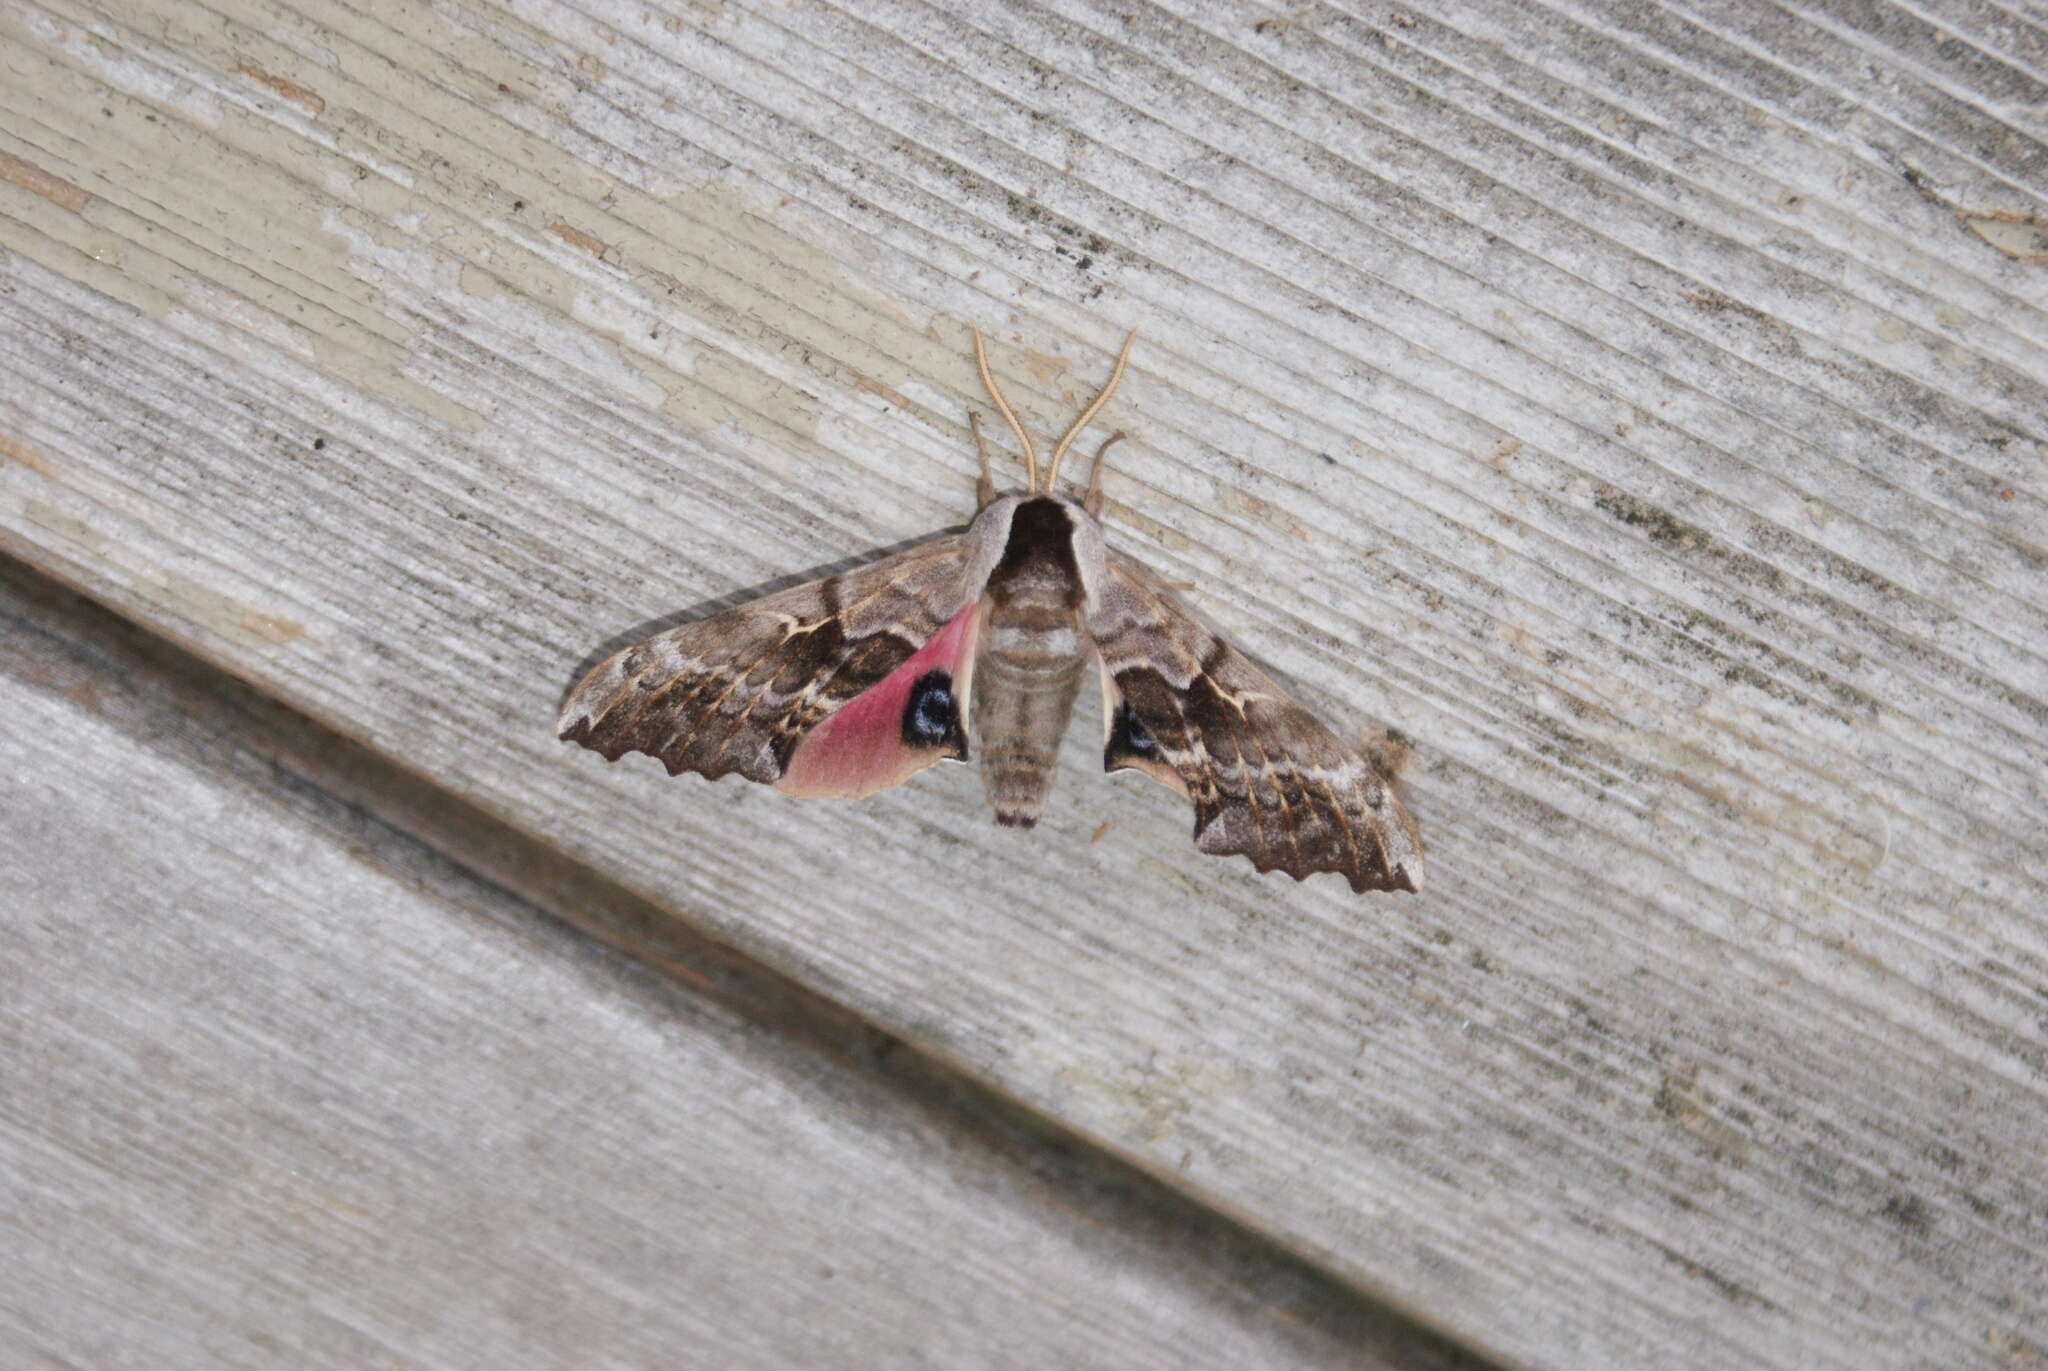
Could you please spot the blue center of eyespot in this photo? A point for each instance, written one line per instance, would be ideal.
(1132, 734)
(929, 715)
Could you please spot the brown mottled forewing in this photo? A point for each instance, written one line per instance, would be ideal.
(1267, 778)
(737, 692)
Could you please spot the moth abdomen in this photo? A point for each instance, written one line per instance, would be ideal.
(1019, 723)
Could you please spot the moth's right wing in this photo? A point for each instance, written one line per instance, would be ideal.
(839, 688)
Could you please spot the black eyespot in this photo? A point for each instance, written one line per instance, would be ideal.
(1129, 738)
(929, 716)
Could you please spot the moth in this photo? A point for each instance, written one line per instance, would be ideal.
(975, 643)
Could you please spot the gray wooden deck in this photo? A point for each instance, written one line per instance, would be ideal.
(1640, 409)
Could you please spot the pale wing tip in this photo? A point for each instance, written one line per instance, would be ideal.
(580, 720)
(1403, 865)
(1400, 842)
(575, 722)
(588, 702)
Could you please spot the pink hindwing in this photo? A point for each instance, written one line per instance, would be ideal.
(909, 719)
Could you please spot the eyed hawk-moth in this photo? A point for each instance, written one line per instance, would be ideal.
(976, 642)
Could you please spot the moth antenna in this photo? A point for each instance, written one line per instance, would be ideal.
(1082, 419)
(985, 488)
(1023, 438)
(1092, 501)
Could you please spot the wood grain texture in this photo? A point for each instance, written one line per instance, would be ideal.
(1640, 408)
(287, 1087)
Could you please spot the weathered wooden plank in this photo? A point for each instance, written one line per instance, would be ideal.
(1639, 409)
(285, 1087)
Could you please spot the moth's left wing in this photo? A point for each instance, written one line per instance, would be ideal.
(838, 688)
(1267, 778)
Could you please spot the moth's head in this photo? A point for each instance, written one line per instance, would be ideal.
(1020, 527)
(1054, 512)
